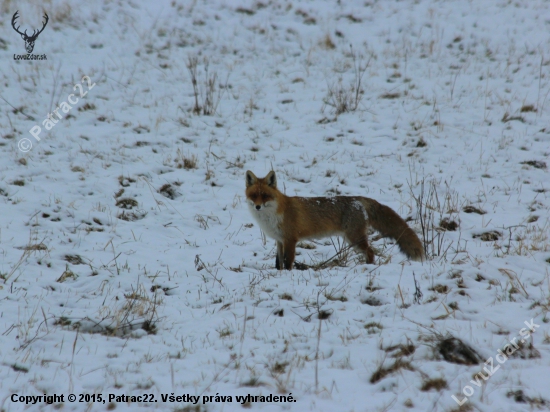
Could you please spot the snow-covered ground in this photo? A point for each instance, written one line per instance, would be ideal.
(130, 264)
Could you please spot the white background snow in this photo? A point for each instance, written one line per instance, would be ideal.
(174, 291)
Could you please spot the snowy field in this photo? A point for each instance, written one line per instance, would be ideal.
(130, 264)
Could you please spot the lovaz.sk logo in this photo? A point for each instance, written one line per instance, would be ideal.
(29, 40)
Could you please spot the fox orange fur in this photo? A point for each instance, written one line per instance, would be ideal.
(290, 219)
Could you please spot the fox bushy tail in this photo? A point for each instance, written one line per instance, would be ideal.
(386, 221)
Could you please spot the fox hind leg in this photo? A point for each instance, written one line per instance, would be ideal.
(359, 240)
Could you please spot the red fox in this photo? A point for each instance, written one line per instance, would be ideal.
(291, 219)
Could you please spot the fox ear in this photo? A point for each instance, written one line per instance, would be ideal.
(250, 178)
(271, 179)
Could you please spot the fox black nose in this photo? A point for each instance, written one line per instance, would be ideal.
(258, 207)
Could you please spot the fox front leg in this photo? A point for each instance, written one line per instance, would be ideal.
(289, 248)
(279, 258)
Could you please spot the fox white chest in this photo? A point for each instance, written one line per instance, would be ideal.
(269, 220)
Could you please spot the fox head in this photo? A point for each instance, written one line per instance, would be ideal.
(261, 193)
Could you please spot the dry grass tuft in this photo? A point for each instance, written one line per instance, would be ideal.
(167, 190)
(534, 403)
(537, 164)
(489, 236)
(186, 162)
(455, 350)
(473, 209)
(127, 203)
(397, 366)
(437, 383)
(448, 224)
(74, 259)
(67, 274)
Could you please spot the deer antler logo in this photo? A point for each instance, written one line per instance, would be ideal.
(29, 40)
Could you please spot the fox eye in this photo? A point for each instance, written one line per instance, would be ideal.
(264, 198)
